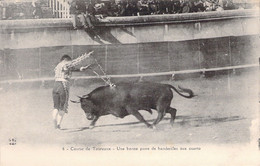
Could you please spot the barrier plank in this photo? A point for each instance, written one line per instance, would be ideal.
(50, 57)
(153, 57)
(184, 55)
(122, 59)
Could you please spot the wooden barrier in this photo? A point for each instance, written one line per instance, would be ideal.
(143, 58)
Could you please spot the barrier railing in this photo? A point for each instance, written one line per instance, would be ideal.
(140, 75)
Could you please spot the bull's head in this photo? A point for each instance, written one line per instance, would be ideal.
(87, 105)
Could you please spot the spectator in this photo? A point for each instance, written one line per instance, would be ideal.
(228, 5)
(169, 6)
(90, 14)
(122, 8)
(100, 9)
(81, 10)
(109, 6)
(212, 5)
(143, 8)
(198, 6)
(131, 8)
(78, 11)
(162, 7)
(186, 6)
(177, 6)
(73, 13)
(114, 9)
(37, 12)
(91, 8)
(220, 6)
(209, 5)
(153, 7)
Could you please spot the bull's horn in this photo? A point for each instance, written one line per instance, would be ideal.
(75, 101)
(83, 97)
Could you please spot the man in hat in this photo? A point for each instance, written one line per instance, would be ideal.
(60, 92)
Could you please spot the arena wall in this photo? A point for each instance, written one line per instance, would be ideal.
(133, 45)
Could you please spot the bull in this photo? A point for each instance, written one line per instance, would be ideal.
(128, 98)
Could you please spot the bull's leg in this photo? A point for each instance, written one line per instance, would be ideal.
(161, 111)
(159, 117)
(92, 124)
(172, 111)
(138, 116)
(141, 119)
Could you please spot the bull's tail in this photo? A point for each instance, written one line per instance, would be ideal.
(189, 91)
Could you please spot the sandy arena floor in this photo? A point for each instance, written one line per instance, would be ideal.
(221, 113)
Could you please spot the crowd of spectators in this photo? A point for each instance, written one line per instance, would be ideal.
(87, 11)
(151, 7)
(40, 8)
(24, 10)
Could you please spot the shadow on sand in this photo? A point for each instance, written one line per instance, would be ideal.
(192, 121)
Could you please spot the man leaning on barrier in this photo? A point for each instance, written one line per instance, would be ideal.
(78, 11)
(60, 93)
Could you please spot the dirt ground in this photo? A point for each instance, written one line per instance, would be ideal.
(221, 113)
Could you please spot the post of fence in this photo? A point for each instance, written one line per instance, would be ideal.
(106, 58)
(138, 59)
(200, 61)
(40, 62)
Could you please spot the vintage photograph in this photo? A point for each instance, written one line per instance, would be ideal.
(156, 79)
